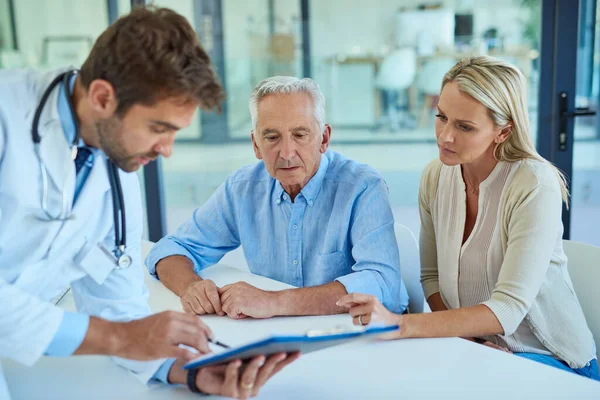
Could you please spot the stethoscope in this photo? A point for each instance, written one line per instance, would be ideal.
(121, 259)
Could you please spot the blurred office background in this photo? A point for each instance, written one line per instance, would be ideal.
(379, 64)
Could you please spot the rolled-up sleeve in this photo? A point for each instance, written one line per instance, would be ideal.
(206, 237)
(70, 334)
(162, 375)
(374, 248)
(532, 236)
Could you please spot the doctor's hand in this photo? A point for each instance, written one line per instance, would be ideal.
(241, 300)
(202, 297)
(235, 379)
(365, 309)
(159, 336)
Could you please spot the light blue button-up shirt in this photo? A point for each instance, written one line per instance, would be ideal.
(339, 228)
(74, 326)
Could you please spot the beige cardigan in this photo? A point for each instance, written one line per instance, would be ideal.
(527, 283)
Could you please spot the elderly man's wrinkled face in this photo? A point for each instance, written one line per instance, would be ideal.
(288, 140)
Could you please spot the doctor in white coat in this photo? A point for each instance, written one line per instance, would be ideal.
(71, 209)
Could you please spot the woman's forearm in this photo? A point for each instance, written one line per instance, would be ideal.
(472, 321)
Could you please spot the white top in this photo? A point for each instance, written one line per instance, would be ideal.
(513, 261)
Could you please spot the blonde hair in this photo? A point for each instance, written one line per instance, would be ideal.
(501, 88)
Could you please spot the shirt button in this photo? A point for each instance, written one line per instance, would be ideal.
(278, 201)
(284, 197)
(295, 226)
(295, 262)
(310, 203)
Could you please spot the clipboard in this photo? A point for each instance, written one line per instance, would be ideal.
(312, 340)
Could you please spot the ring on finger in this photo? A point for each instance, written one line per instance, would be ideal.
(360, 320)
(244, 385)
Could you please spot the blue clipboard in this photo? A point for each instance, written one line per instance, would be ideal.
(311, 341)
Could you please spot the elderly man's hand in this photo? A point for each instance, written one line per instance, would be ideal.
(202, 297)
(241, 300)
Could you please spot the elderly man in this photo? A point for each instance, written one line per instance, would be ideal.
(304, 215)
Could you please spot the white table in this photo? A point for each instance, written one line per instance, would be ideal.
(401, 369)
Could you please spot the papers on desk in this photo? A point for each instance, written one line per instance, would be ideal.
(312, 340)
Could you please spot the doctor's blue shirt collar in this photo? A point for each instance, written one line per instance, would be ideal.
(311, 190)
(64, 113)
(65, 116)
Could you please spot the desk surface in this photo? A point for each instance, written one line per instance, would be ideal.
(417, 368)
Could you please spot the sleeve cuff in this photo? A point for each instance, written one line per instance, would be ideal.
(162, 374)
(70, 335)
(509, 314)
(430, 287)
(365, 282)
(165, 248)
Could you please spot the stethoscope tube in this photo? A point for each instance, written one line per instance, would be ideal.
(119, 219)
(119, 205)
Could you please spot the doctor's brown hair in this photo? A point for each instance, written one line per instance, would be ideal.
(149, 55)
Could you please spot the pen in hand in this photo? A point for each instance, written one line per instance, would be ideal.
(221, 344)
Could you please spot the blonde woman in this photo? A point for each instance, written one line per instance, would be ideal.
(492, 262)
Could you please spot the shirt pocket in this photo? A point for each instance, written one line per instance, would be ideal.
(95, 262)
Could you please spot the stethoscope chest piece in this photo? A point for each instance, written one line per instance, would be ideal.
(124, 261)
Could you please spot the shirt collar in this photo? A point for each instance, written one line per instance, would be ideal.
(311, 189)
(65, 115)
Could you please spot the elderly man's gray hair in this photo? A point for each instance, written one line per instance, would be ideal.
(287, 85)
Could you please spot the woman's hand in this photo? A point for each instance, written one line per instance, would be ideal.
(365, 309)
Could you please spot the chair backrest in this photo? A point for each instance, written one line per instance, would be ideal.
(584, 270)
(431, 74)
(398, 70)
(410, 267)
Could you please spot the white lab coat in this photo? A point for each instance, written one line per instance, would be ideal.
(38, 259)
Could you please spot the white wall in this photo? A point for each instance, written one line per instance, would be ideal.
(124, 7)
(247, 55)
(185, 8)
(5, 31)
(368, 27)
(245, 32)
(346, 26)
(36, 19)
